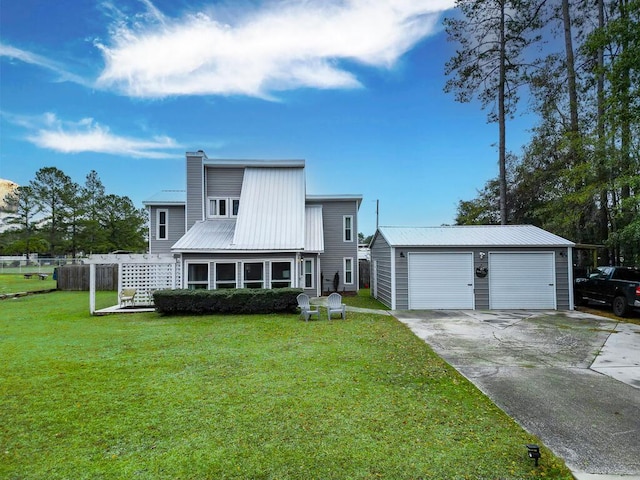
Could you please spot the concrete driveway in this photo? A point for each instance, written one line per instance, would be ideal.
(539, 368)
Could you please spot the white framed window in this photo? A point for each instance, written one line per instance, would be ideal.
(162, 220)
(222, 207)
(235, 206)
(308, 272)
(216, 207)
(280, 274)
(197, 276)
(348, 270)
(347, 228)
(253, 274)
(225, 275)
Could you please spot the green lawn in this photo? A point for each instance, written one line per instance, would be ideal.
(246, 397)
(15, 282)
(364, 300)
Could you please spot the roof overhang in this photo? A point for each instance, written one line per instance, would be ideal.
(335, 198)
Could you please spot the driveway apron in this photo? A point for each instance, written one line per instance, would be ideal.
(536, 367)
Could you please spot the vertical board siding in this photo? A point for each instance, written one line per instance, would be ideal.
(381, 252)
(562, 279)
(224, 182)
(195, 198)
(335, 249)
(175, 228)
(76, 277)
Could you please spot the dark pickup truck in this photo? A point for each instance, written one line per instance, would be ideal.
(615, 286)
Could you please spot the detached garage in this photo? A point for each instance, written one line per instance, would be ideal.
(471, 267)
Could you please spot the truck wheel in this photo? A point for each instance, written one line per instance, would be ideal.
(620, 307)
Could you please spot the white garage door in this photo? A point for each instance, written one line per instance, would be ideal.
(522, 280)
(441, 281)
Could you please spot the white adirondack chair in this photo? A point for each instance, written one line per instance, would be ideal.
(306, 310)
(335, 305)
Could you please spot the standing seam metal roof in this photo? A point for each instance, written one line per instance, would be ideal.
(472, 236)
(272, 210)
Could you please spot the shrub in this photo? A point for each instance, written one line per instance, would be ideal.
(242, 300)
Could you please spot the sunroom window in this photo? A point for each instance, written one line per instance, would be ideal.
(197, 276)
(280, 274)
(225, 275)
(253, 275)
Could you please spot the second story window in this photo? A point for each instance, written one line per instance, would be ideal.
(161, 225)
(222, 207)
(347, 223)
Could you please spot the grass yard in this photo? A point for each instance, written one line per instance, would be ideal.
(15, 282)
(364, 300)
(239, 397)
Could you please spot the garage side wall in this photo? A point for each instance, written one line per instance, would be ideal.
(381, 260)
(481, 284)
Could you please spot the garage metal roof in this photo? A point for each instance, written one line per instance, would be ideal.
(472, 236)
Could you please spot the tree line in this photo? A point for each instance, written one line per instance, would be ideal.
(55, 216)
(579, 63)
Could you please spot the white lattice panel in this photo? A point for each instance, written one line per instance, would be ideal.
(147, 278)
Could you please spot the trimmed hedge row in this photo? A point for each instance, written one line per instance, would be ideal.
(241, 300)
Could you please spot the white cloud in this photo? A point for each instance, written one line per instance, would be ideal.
(42, 62)
(282, 45)
(87, 135)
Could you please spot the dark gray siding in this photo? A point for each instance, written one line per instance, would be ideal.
(381, 253)
(195, 199)
(481, 284)
(335, 249)
(175, 230)
(224, 182)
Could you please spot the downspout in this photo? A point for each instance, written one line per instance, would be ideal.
(318, 277)
(570, 276)
(393, 278)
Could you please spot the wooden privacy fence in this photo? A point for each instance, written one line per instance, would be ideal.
(76, 277)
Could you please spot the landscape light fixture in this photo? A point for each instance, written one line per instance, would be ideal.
(534, 452)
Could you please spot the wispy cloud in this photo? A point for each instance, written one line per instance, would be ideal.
(87, 135)
(37, 60)
(281, 45)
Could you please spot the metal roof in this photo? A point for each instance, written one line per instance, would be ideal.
(314, 230)
(335, 198)
(219, 162)
(472, 236)
(271, 214)
(207, 235)
(167, 197)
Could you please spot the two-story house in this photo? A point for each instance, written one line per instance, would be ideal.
(250, 224)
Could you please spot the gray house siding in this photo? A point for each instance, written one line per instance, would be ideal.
(175, 228)
(381, 261)
(224, 182)
(195, 197)
(335, 248)
(381, 250)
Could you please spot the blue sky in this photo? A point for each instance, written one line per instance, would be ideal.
(354, 87)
